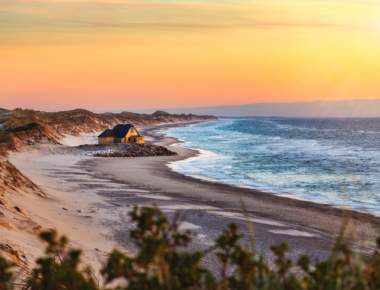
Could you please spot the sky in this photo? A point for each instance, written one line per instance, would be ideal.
(123, 55)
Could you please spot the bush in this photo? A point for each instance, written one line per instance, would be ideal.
(162, 263)
(6, 276)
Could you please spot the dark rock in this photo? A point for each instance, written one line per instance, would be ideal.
(129, 150)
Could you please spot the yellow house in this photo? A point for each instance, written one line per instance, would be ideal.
(122, 133)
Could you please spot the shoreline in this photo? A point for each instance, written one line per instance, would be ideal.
(98, 194)
(155, 175)
(170, 141)
(198, 152)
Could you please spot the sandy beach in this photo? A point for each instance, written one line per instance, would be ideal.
(74, 211)
(89, 199)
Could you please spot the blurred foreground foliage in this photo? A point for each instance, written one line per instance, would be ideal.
(163, 263)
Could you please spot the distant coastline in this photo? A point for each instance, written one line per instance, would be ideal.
(318, 109)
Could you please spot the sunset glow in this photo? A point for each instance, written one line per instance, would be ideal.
(119, 54)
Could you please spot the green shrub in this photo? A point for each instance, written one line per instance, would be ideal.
(163, 263)
(59, 269)
(6, 275)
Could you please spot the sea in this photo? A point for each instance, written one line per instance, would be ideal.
(330, 161)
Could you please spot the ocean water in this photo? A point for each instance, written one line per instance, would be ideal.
(333, 161)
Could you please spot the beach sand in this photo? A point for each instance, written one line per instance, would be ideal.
(89, 198)
(74, 211)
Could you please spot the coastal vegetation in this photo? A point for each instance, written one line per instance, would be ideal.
(163, 262)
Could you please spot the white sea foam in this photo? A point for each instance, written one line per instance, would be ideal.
(203, 154)
(201, 177)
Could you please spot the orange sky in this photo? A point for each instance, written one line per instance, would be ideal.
(120, 54)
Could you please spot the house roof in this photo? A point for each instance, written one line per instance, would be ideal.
(107, 133)
(121, 130)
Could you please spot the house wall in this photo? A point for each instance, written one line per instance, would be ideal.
(105, 140)
(133, 133)
(140, 140)
(136, 140)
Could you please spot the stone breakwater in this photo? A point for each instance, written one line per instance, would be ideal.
(126, 150)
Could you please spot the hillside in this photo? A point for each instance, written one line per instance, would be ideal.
(27, 127)
(3, 110)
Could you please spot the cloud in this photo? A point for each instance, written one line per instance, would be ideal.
(69, 15)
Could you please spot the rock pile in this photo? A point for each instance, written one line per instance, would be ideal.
(126, 150)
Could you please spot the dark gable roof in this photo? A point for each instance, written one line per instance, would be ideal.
(121, 130)
(107, 133)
